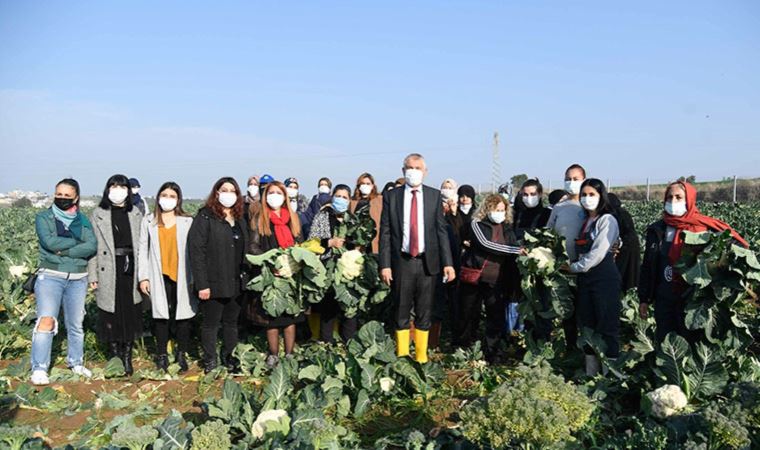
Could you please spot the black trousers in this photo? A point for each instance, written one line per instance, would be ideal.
(215, 311)
(471, 301)
(329, 313)
(599, 303)
(413, 290)
(161, 327)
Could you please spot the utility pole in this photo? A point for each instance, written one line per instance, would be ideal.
(648, 187)
(734, 188)
(495, 164)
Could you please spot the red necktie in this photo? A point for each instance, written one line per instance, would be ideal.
(414, 245)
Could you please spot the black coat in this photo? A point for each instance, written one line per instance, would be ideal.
(213, 260)
(437, 248)
(650, 267)
(505, 255)
(629, 259)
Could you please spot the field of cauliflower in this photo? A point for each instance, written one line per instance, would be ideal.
(704, 395)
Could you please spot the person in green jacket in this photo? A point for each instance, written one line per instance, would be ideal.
(66, 242)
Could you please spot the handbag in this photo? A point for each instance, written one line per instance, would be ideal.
(30, 281)
(470, 275)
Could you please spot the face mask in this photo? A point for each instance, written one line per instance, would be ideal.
(573, 187)
(253, 191)
(64, 204)
(676, 209)
(135, 191)
(292, 192)
(465, 208)
(531, 201)
(413, 177)
(448, 194)
(227, 199)
(275, 200)
(117, 195)
(589, 203)
(497, 217)
(365, 189)
(168, 204)
(324, 189)
(340, 205)
(505, 196)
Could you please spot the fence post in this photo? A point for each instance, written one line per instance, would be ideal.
(734, 188)
(550, 185)
(647, 188)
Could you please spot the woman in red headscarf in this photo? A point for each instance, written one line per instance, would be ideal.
(277, 227)
(659, 282)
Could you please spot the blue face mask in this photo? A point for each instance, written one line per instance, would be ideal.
(340, 205)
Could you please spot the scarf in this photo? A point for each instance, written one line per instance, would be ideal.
(281, 228)
(693, 221)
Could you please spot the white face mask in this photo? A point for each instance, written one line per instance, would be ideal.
(676, 209)
(292, 193)
(448, 194)
(465, 208)
(365, 189)
(573, 186)
(135, 191)
(167, 203)
(227, 199)
(275, 200)
(531, 201)
(324, 189)
(497, 217)
(253, 190)
(117, 195)
(589, 203)
(413, 177)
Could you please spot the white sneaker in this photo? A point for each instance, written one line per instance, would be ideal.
(82, 371)
(40, 378)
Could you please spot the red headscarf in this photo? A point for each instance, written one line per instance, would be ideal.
(281, 229)
(693, 221)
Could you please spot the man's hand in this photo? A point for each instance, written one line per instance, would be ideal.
(94, 285)
(204, 294)
(449, 273)
(145, 287)
(644, 310)
(387, 276)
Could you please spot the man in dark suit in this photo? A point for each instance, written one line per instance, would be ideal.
(414, 248)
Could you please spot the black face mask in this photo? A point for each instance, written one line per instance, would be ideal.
(64, 203)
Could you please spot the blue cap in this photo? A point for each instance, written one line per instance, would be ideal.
(133, 182)
(266, 179)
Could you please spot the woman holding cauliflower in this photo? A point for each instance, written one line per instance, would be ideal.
(484, 274)
(278, 227)
(323, 228)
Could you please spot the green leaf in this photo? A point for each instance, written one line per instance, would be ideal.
(277, 390)
(671, 360)
(707, 376)
(698, 274)
(114, 368)
(311, 372)
(702, 238)
(265, 258)
(362, 403)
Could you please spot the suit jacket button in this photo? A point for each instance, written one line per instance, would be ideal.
(102, 269)
(105, 253)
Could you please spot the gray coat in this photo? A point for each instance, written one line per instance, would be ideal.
(149, 268)
(102, 267)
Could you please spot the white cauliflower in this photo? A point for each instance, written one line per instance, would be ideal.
(18, 271)
(543, 256)
(667, 401)
(386, 384)
(270, 420)
(351, 264)
(287, 266)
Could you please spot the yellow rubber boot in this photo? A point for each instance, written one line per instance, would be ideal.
(314, 326)
(421, 345)
(402, 343)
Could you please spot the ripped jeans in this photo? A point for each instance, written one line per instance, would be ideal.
(50, 292)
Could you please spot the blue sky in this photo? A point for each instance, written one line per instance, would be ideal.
(191, 91)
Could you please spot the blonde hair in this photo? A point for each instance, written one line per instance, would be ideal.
(489, 204)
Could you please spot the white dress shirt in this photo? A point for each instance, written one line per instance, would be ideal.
(420, 219)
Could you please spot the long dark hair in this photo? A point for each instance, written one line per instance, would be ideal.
(116, 180)
(178, 211)
(73, 183)
(605, 207)
(212, 201)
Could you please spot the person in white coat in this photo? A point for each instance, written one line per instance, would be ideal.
(164, 273)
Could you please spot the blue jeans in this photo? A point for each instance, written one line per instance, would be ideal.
(50, 292)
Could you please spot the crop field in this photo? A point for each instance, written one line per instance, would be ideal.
(361, 395)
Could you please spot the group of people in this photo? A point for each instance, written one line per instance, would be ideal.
(445, 257)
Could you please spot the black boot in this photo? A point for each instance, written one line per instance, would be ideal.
(127, 358)
(162, 362)
(232, 364)
(114, 350)
(209, 365)
(181, 359)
